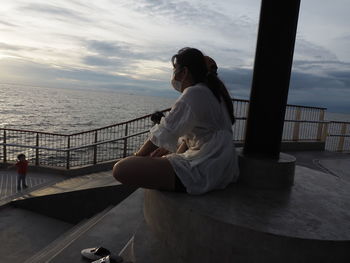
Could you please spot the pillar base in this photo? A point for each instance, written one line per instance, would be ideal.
(266, 173)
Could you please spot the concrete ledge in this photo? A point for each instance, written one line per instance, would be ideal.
(75, 206)
(303, 146)
(113, 231)
(307, 223)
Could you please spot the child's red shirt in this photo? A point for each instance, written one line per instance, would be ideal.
(22, 167)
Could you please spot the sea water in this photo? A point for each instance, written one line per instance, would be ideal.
(61, 110)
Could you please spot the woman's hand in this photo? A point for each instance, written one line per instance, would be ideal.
(159, 152)
(146, 149)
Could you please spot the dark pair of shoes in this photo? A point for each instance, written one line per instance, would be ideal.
(100, 255)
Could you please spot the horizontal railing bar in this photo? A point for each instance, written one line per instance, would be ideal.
(306, 121)
(338, 135)
(109, 141)
(74, 148)
(240, 100)
(342, 122)
(308, 107)
(126, 137)
(30, 131)
(118, 124)
(32, 147)
(73, 134)
(292, 105)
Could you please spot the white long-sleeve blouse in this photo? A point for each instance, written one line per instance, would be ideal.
(204, 123)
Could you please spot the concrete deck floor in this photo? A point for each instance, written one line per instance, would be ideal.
(8, 182)
(24, 233)
(121, 222)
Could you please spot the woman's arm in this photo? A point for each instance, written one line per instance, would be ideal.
(146, 149)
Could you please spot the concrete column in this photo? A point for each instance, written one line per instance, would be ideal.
(261, 164)
(272, 69)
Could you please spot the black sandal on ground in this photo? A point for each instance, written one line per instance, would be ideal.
(95, 253)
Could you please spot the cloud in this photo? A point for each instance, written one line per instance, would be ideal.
(237, 80)
(54, 11)
(108, 48)
(189, 12)
(324, 68)
(6, 47)
(100, 61)
(307, 50)
(4, 23)
(326, 86)
(30, 73)
(201, 18)
(9, 47)
(124, 50)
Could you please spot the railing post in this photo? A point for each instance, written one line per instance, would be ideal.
(95, 149)
(325, 132)
(342, 138)
(5, 152)
(320, 126)
(37, 150)
(246, 111)
(125, 141)
(297, 125)
(68, 153)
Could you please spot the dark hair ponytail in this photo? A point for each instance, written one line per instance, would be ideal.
(194, 60)
(219, 90)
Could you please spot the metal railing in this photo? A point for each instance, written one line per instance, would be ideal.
(302, 123)
(78, 149)
(338, 138)
(120, 140)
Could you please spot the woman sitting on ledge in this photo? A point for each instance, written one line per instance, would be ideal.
(201, 120)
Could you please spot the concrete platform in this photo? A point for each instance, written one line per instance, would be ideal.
(24, 233)
(114, 229)
(337, 167)
(308, 223)
(313, 159)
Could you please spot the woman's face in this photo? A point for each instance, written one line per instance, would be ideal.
(176, 82)
(177, 72)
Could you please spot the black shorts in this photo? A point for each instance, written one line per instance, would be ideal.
(179, 187)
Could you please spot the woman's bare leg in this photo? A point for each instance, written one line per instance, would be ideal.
(147, 172)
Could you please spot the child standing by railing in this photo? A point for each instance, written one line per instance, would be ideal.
(22, 169)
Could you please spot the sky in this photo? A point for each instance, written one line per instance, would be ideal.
(127, 45)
